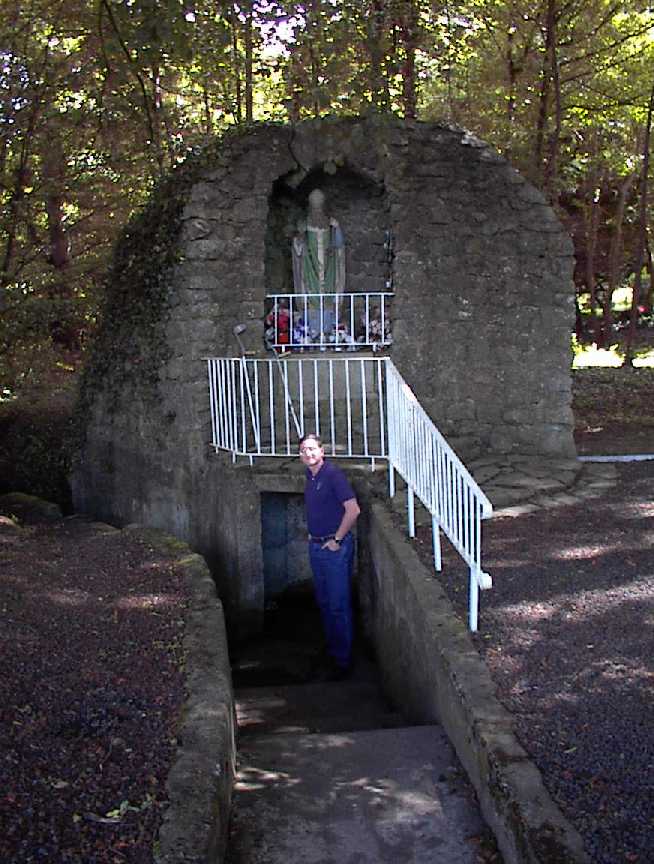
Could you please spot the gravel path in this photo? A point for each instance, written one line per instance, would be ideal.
(568, 634)
(90, 689)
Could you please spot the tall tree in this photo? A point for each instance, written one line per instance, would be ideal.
(642, 244)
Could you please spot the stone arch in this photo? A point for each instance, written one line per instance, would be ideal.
(482, 314)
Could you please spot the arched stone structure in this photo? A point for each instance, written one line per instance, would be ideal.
(481, 271)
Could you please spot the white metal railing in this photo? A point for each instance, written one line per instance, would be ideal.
(329, 321)
(362, 408)
(433, 472)
(261, 407)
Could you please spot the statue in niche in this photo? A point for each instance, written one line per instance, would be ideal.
(318, 252)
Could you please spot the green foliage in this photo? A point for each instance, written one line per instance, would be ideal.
(130, 349)
(36, 444)
(101, 100)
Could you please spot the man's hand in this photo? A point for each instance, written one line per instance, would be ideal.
(332, 545)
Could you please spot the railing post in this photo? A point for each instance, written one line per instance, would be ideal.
(409, 441)
(411, 512)
(473, 614)
(435, 530)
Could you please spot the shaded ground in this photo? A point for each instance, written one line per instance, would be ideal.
(614, 410)
(568, 634)
(90, 689)
(90, 669)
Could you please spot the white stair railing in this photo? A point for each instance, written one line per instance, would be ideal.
(432, 471)
(261, 407)
(362, 408)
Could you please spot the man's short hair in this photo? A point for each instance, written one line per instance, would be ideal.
(310, 436)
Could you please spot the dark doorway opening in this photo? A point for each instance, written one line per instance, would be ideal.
(291, 648)
(291, 645)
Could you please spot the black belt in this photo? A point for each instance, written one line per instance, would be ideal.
(322, 539)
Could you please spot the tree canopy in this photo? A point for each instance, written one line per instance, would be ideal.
(100, 98)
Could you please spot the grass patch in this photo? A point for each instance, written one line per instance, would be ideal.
(615, 396)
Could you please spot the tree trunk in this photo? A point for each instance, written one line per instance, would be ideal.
(512, 75)
(375, 29)
(248, 64)
(554, 141)
(54, 180)
(236, 63)
(642, 238)
(615, 251)
(408, 22)
(545, 86)
(650, 270)
(592, 212)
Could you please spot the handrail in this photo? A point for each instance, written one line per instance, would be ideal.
(433, 472)
(277, 401)
(363, 409)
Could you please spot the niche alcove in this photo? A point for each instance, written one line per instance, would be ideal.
(363, 213)
(481, 272)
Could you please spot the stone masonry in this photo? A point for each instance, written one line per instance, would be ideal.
(481, 318)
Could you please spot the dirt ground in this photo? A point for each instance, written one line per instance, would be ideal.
(614, 411)
(567, 630)
(91, 674)
(91, 684)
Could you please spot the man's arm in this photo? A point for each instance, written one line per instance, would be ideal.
(352, 511)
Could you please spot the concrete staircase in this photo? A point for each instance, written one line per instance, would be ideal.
(329, 773)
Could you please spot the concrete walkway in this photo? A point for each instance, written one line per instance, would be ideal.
(522, 484)
(367, 797)
(308, 793)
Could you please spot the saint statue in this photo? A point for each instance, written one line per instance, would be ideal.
(318, 251)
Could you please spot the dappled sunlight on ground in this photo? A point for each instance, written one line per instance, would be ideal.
(567, 632)
(147, 601)
(582, 553)
(591, 356)
(89, 693)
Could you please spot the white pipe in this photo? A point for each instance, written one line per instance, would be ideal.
(287, 395)
(640, 457)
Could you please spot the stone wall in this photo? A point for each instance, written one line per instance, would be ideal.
(481, 317)
(432, 671)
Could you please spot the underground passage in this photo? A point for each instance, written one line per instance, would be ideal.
(309, 779)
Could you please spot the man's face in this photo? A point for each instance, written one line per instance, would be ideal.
(312, 454)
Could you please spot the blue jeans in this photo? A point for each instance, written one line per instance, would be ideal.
(332, 574)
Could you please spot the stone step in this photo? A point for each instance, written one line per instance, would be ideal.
(314, 708)
(374, 797)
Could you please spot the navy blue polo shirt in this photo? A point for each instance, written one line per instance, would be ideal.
(324, 495)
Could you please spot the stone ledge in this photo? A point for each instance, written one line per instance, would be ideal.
(29, 509)
(199, 787)
(443, 679)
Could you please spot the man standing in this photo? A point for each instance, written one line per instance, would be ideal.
(332, 509)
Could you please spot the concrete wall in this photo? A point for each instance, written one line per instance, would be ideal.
(432, 671)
